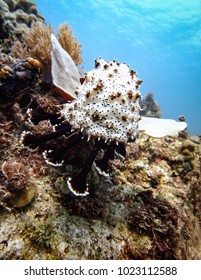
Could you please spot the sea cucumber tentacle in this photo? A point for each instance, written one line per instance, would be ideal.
(78, 184)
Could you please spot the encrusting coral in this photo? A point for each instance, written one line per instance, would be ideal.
(17, 15)
(188, 152)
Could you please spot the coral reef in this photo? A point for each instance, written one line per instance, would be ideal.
(15, 79)
(23, 34)
(149, 106)
(102, 115)
(35, 42)
(105, 114)
(144, 200)
(147, 209)
(17, 15)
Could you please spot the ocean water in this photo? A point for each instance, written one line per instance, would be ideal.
(159, 39)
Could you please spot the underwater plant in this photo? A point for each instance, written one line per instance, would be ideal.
(104, 111)
(35, 43)
(69, 43)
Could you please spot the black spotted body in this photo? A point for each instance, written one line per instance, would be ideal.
(107, 106)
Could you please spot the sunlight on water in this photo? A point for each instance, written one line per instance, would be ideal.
(161, 40)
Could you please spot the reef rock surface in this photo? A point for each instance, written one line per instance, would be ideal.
(147, 208)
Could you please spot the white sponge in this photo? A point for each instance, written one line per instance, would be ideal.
(158, 128)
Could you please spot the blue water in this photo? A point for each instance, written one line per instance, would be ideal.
(159, 39)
